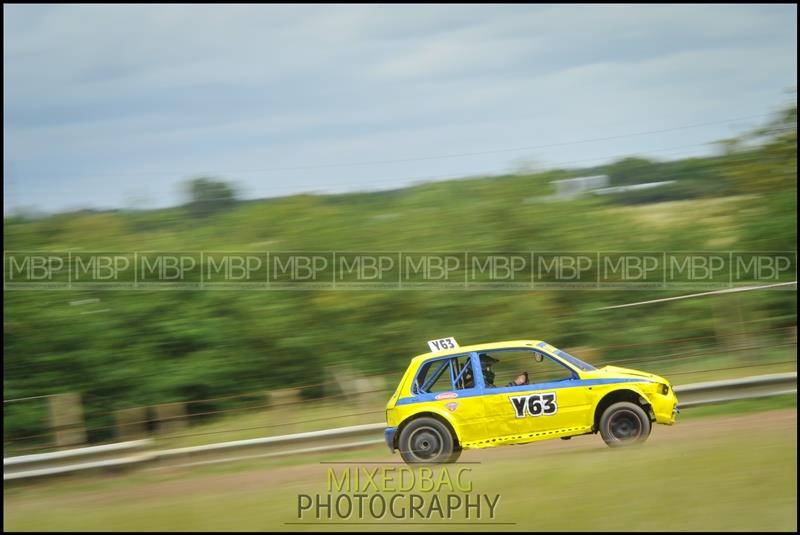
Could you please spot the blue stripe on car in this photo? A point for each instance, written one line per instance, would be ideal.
(472, 392)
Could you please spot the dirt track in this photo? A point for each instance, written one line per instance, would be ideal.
(698, 430)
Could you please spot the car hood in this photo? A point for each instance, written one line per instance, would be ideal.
(616, 371)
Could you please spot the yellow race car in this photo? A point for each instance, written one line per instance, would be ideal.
(516, 392)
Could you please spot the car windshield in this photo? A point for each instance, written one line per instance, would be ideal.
(575, 361)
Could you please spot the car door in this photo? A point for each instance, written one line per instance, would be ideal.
(502, 418)
(552, 400)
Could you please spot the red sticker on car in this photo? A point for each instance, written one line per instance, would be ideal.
(447, 395)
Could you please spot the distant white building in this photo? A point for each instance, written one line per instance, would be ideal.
(570, 188)
(632, 187)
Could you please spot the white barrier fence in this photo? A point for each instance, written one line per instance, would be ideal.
(45, 464)
(711, 392)
(342, 438)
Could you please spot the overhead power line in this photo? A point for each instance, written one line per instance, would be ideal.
(447, 156)
(404, 181)
(513, 149)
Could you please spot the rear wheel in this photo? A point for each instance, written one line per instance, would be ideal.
(623, 424)
(427, 441)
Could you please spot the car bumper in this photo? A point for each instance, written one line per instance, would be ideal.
(665, 408)
(388, 435)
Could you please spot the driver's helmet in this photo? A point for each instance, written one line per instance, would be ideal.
(486, 368)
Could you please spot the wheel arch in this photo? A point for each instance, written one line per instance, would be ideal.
(623, 394)
(429, 414)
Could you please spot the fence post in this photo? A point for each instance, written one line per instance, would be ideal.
(66, 419)
(171, 417)
(131, 423)
(284, 396)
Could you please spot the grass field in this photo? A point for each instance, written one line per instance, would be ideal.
(731, 472)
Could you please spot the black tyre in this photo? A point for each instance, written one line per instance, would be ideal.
(623, 424)
(455, 455)
(427, 441)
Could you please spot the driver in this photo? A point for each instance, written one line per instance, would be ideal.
(486, 368)
(522, 379)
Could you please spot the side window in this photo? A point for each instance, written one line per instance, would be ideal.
(444, 375)
(463, 373)
(502, 368)
(433, 376)
(544, 369)
(516, 367)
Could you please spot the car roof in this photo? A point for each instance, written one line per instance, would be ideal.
(475, 347)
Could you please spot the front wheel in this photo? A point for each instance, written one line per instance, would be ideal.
(455, 455)
(623, 424)
(427, 441)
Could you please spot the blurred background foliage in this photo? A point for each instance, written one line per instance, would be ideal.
(133, 348)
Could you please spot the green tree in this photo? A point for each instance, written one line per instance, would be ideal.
(764, 161)
(208, 196)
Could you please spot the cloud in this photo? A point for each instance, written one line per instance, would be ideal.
(164, 91)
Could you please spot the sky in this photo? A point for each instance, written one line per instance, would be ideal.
(114, 106)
